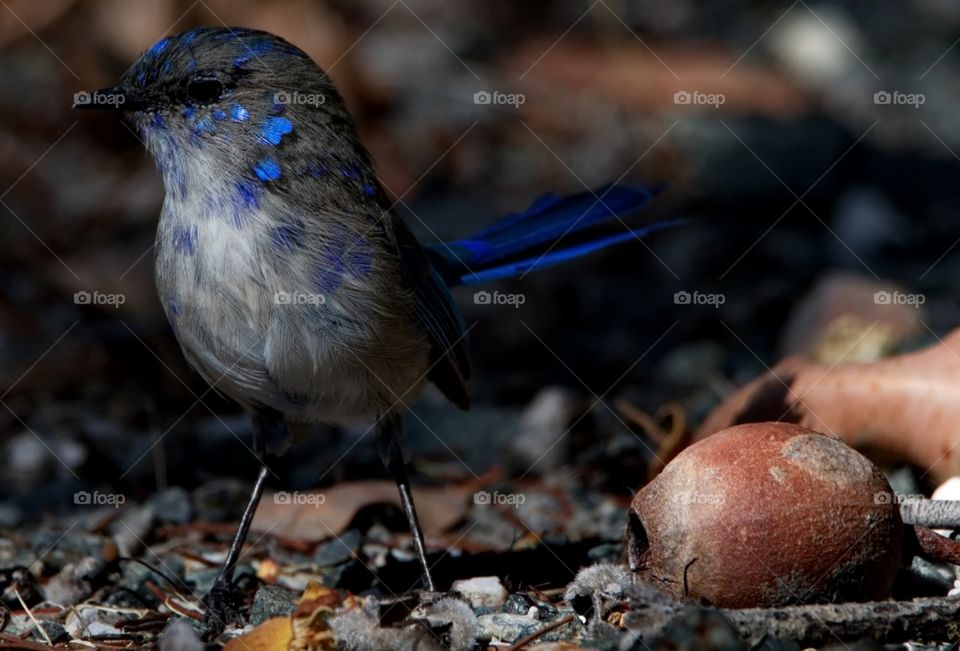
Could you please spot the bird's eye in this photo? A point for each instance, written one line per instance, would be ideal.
(204, 91)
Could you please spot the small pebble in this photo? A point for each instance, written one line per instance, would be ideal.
(482, 591)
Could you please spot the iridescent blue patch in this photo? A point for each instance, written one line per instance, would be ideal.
(348, 255)
(174, 308)
(158, 47)
(219, 114)
(205, 125)
(239, 113)
(253, 50)
(193, 34)
(188, 111)
(184, 239)
(369, 189)
(274, 129)
(267, 169)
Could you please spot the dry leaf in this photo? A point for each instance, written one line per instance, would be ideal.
(905, 406)
(273, 635)
(318, 515)
(306, 629)
(629, 75)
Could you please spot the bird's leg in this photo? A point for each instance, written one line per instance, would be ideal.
(222, 603)
(390, 442)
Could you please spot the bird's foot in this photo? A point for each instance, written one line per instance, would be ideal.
(221, 608)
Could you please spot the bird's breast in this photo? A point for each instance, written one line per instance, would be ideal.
(256, 324)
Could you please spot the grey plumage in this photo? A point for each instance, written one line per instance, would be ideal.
(288, 282)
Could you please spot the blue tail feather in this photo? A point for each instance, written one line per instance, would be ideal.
(533, 239)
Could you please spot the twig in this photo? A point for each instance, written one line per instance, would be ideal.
(543, 631)
(33, 619)
(936, 547)
(934, 514)
(8, 641)
(929, 619)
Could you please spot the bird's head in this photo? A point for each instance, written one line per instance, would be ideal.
(237, 99)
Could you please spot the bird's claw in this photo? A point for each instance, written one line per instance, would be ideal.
(221, 608)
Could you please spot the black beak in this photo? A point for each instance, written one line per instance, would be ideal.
(113, 98)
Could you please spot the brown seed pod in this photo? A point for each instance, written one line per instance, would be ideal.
(767, 514)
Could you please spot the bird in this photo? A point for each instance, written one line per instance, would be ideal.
(288, 280)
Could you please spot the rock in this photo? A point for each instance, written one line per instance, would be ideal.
(543, 424)
(338, 550)
(71, 585)
(180, 636)
(11, 515)
(271, 601)
(54, 631)
(84, 621)
(135, 575)
(517, 604)
(173, 505)
(482, 591)
(131, 528)
(506, 628)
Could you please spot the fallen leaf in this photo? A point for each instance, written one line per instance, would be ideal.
(850, 318)
(632, 77)
(318, 515)
(273, 635)
(906, 406)
(305, 630)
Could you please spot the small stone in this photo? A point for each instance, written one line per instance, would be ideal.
(271, 601)
(54, 631)
(517, 604)
(338, 550)
(482, 591)
(506, 628)
(11, 515)
(131, 528)
(179, 636)
(173, 505)
(71, 585)
(135, 576)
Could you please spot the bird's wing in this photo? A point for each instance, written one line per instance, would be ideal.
(439, 316)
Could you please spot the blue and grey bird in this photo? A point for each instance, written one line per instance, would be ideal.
(289, 282)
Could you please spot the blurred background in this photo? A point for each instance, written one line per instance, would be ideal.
(812, 144)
